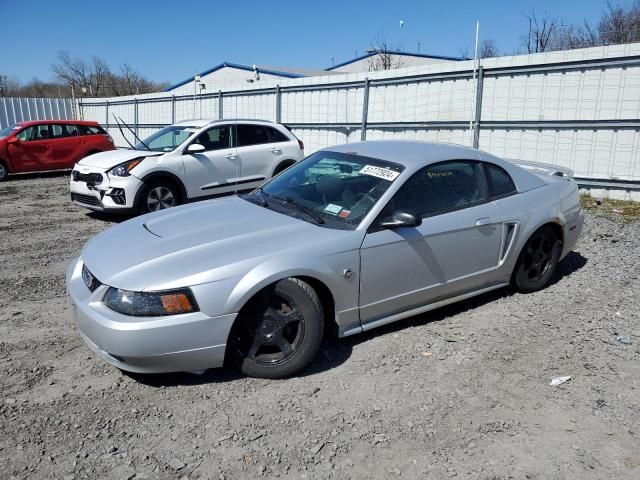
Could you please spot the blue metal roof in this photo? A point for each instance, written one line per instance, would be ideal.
(239, 67)
(391, 52)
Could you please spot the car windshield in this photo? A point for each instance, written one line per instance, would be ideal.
(5, 132)
(167, 139)
(331, 189)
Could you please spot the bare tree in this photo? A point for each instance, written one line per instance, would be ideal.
(77, 73)
(9, 86)
(488, 49)
(95, 78)
(575, 36)
(541, 33)
(384, 58)
(619, 24)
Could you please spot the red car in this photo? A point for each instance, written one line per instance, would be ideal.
(49, 145)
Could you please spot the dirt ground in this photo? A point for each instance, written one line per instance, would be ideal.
(461, 392)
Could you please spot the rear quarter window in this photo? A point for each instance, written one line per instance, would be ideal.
(251, 135)
(499, 182)
(276, 136)
(92, 130)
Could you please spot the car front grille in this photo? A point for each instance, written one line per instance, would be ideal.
(86, 199)
(94, 178)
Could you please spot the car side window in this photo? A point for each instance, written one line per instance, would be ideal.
(251, 135)
(36, 132)
(58, 131)
(72, 130)
(26, 134)
(91, 130)
(276, 136)
(499, 183)
(215, 138)
(441, 188)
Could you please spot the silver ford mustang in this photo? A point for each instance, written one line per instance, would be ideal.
(353, 237)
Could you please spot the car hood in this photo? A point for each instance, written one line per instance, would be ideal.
(107, 160)
(207, 241)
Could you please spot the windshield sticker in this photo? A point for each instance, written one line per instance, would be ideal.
(344, 213)
(380, 172)
(332, 209)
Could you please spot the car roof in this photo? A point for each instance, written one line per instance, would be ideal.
(411, 154)
(414, 155)
(29, 123)
(204, 122)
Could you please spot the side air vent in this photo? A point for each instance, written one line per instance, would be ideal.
(507, 239)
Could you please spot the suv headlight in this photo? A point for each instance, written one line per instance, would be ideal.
(124, 169)
(150, 304)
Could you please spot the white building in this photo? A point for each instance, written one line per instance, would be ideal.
(374, 59)
(228, 75)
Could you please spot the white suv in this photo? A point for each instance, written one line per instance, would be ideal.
(186, 161)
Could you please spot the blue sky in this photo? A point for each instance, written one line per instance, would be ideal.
(170, 40)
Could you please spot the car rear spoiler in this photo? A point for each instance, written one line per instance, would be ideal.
(544, 168)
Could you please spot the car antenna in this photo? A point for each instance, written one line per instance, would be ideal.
(134, 134)
(122, 133)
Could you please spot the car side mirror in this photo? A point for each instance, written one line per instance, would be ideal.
(13, 140)
(195, 148)
(401, 219)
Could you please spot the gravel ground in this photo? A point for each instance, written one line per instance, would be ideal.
(461, 392)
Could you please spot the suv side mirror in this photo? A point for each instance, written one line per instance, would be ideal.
(401, 219)
(195, 148)
(13, 140)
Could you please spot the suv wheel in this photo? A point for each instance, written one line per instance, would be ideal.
(3, 172)
(158, 195)
(282, 167)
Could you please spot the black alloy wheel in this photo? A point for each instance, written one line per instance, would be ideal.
(538, 260)
(279, 332)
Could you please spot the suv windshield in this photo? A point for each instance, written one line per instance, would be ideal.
(167, 139)
(331, 189)
(5, 132)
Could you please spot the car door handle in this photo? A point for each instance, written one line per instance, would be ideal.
(480, 222)
(230, 156)
(276, 150)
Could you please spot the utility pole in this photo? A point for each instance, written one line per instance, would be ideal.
(475, 87)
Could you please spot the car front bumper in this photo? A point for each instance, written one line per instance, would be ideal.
(112, 194)
(177, 343)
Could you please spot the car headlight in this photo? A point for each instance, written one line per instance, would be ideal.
(150, 304)
(124, 169)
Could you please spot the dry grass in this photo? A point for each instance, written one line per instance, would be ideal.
(621, 210)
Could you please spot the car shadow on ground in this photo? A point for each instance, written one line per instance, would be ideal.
(108, 217)
(573, 262)
(334, 351)
(37, 175)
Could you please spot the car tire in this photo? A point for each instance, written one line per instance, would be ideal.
(537, 261)
(158, 195)
(278, 332)
(4, 173)
(282, 167)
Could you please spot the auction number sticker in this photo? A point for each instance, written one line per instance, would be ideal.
(380, 172)
(332, 209)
